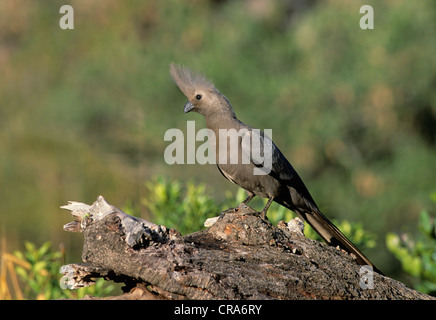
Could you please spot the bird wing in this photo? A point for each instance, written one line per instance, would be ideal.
(269, 160)
(264, 154)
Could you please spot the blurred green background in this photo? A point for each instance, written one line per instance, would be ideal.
(83, 112)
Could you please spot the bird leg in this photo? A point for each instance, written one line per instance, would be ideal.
(263, 212)
(248, 199)
(244, 203)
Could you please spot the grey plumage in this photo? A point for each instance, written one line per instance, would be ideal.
(281, 184)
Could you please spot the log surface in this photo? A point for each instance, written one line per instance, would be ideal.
(240, 256)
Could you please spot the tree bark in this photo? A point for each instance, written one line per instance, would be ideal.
(240, 256)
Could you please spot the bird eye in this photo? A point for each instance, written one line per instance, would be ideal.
(198, 97)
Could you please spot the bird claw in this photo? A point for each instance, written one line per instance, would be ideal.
(261, 215)
(242, 208)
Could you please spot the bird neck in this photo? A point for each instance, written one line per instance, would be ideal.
(221, 120)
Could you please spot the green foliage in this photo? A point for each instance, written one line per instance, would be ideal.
(39, 277)
(418, 254)
(39, 272)
(181, 207)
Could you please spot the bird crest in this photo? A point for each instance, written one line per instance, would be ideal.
(189, 81)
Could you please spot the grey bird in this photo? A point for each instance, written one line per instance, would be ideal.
(279, 182)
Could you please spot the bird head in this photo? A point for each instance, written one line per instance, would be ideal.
(202, 95)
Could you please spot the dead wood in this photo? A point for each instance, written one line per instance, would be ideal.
(240, 256)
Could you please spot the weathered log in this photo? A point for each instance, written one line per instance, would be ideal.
(240, 256)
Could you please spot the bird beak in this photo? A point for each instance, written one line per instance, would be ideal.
(188, 107)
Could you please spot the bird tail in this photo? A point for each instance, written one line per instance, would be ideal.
(333, 236)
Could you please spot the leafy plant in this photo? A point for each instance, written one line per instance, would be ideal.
(38, 269)
(38, 277)
(418, 254)
(181, 207)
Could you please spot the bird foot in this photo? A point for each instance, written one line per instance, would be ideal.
(247, 210)
(242, 208)
(230, 210)
(261, 215)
